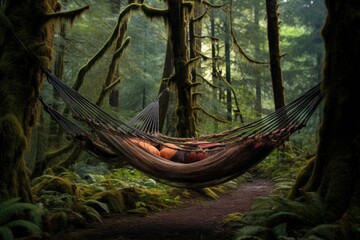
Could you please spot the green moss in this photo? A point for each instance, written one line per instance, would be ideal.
(302, 179)
(61, 185)
(11, 167)
(152, 12)
(114, 200)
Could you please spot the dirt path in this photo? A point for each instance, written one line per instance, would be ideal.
(200, 220)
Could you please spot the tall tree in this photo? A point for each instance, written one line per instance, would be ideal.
(258, 99)
(334, 171)
(228, 65)
(179, 11)
(274, 49)
(20, 81)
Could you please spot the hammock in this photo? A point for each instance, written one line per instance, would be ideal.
(215, 158)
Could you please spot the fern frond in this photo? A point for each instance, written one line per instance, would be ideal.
(288, 217)
(6, 233)
(325, 231)
(10, 201)
(95, 203)
(208, 192)
(90, 214)
(29, 226)
(70, 175)
(18, 207)
(265, 202)
(256, 216)
(254, 232)
(280, 230)
(232, 218)
(37, 180)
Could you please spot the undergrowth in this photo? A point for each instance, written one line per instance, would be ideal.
(78, 197)
(19, 220)
(284, 162)
(276, 217)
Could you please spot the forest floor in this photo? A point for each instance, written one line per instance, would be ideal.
(198, 218)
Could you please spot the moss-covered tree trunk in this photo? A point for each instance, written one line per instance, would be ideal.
(178, 22)
(335, 171)
(20, 80)
(164, 100)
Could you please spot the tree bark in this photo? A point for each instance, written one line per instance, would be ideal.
(258, 94)
(178, 20)
(334, 173)
(228, 67)
(165, 83)
(20, 80)
(273, 38)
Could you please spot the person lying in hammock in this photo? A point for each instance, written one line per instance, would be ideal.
(199, 150)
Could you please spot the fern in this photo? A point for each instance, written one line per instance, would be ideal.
(8, 202)
(12, 209)
(254, 232)
(95, 203)
(326, 231)
(32, 228)
(287, 217)
(6, 233)
(6, 213)
(89, 213)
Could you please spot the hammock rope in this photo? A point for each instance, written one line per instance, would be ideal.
(228, 154)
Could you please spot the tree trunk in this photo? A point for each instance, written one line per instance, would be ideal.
(273, 38)
(228, 68)
(334, 173)
(258, 99)
(168, 70)
(178, 22)
(20, 80)
(195, 30)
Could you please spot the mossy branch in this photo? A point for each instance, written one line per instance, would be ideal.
(70, 15)
(112, 85)
(202, 55)
(237, 45)
(148, 11)
(84, 69)
(207, 36)
(211, 5)
(199, 18)
(202, 109)
(233, 91)
(152, 12)
(110, 76)
(208, 82)
(192, 63)
(54, 155)
(51, 159)
(241, 51)
(106, 89)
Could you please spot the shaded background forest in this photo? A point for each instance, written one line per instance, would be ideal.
(233, 91)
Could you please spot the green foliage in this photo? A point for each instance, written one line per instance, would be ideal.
(283, 163)
(93, 195)
(276, 217)
(20, 220)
